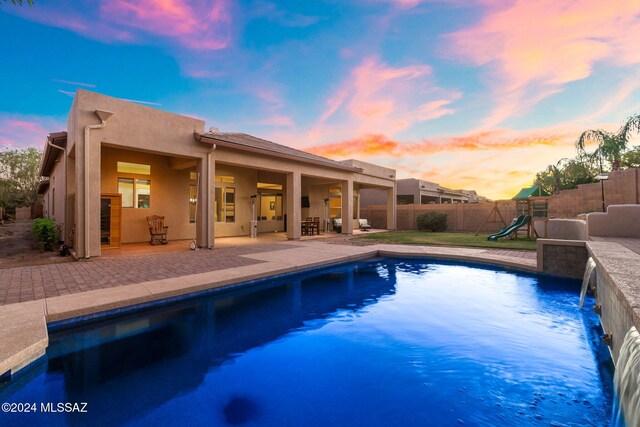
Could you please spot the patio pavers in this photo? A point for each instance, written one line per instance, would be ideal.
(36, 282)
(47, 281)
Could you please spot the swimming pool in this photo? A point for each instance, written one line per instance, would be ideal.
(382, 342)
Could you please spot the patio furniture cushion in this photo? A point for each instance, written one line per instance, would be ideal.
(364, 225)
(337, 224)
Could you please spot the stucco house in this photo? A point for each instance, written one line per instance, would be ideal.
(420, 192)
(119, 162)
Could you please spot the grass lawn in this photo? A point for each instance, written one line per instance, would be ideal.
(448, 239)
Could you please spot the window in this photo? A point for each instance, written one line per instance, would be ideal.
(230, 204)
(225, 199)
(406, 199)
(134, 168)
(265, 186)
(143, 192)
(355, 207)
(125, 187)
(335, 201)
(135, 192)
(193, 196)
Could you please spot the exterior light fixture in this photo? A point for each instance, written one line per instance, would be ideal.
(602, 177)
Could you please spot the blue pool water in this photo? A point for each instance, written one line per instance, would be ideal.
(379, 343)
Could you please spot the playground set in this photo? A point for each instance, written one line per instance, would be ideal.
(531, 206)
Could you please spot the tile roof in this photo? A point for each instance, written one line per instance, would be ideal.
(243, 141)
(51, 154)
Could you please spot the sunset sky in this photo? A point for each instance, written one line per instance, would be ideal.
(470, 94)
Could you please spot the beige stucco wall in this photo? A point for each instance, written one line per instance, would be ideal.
(131, 126)
(167, 140)
(567, 229)
(618, 221)
(169, 194)
(54, 197)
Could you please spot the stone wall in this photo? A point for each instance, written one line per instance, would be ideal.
(565, 258)
(620, 189)
(23, 213)
(618, 290)
(460, 216)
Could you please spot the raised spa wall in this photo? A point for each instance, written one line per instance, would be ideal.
(617, 267)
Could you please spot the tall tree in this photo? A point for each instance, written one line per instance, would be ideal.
(19, 177)
(631, 159)
(566, 174)
(611, 145)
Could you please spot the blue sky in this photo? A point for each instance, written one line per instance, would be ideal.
(477, 94)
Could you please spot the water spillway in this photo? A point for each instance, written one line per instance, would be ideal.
(627, 381)
(589, 276)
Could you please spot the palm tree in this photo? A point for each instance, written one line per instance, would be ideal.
(611, 145)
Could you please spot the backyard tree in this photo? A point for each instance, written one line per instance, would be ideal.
(631, 159)
(611, 146)
(19, 177)
(566, 174)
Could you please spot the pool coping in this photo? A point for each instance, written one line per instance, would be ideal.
(25, 336)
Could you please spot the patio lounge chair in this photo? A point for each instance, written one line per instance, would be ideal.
(157, 230)
(364, 225)
(337, 225)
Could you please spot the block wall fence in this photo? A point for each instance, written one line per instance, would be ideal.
(622, 188)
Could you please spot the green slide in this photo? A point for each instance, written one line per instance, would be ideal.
(521, 221)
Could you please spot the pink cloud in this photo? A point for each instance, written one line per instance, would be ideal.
(197, 25)
(533, 49)
(17, 131)
(378, 98)
(496, 163)
(381, 145)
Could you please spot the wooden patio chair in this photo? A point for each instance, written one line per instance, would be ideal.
(316, 225)
(307, 227)
(157, 230)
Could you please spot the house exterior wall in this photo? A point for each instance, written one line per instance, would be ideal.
(54, 196)
(132, 126)
(169, 194)
(138, 134)
(409, 187)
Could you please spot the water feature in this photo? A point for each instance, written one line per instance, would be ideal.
(376, 343)
(627, 381)
(588, 278)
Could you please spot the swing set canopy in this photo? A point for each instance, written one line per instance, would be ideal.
(534, 191)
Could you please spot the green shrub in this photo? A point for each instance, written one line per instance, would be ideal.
(432, 221)
(46, 231)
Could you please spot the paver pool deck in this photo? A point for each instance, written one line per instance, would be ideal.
(32, 297)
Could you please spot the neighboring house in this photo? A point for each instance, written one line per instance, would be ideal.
(420, 192)
(119, 162)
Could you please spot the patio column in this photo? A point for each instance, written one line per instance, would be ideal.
(347, 207)
(88, 222)
(205, 224)
(294, 209)
(392, 208)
